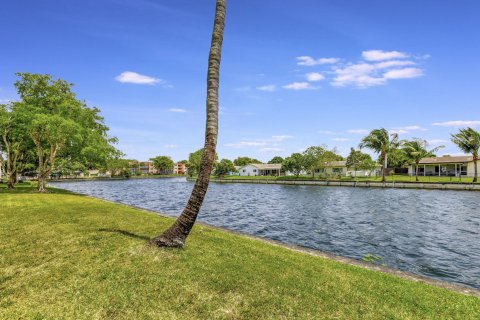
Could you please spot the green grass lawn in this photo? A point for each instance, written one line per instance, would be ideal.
(396, 178)
(65, 256)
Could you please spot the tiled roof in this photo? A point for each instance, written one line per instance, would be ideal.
(265, 166)
(446, 159)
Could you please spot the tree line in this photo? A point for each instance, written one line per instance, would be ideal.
(392, 153)
(49, 129)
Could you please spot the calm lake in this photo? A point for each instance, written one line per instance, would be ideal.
(428, 232)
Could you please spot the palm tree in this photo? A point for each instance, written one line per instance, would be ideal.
(416, 150)
(468, 140)
(380, 141)
(175, 236)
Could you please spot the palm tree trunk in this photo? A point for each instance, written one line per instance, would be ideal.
(416, 174)
(175, 236)
(384, 168)
(475, 176)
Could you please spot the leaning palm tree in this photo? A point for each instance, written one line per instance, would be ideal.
(175, 236)
(416, 150)
(468, 140)
(380, 141)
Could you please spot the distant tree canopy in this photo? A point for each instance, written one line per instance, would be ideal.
(224, 167)
(357, 160)
(164, 164)
(194, 162)
(243, 161)
(295, 164)
(48, 123)
(317, 157)
(397, 158)
(276, 160)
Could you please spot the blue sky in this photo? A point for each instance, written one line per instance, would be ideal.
(294, 73)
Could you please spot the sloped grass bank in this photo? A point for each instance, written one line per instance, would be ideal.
(66, 256)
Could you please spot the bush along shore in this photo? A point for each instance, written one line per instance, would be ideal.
(75, 257)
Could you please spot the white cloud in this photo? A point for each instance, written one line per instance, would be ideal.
(136, 78)
(435, 142)
(271, 150)
(341, 139)
(327, 132)
(458, 123)
(273, 140)
(359, 131)
(393, 63)
(406, 73)
(364, 75)
(280, 138)
(309, 61)
(380, 55)
(243, 144)
(314, 76)
(376, 68)
(299, 86)
(400, 131)
(407, 129)
(177, 110)
(269, 88)
(360, 75)
(170, 146)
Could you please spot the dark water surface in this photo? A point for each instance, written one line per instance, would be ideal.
(429, 232)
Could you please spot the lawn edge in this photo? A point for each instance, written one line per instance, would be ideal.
(313, 252)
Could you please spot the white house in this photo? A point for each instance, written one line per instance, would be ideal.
(459, 166)
(260, 169)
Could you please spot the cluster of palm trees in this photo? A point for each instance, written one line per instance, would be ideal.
(384, 143)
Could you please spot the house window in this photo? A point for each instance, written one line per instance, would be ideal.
(243, 170)
(254, 170)
(337, 170)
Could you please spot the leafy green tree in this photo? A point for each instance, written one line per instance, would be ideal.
(416, 150)
(195, 161)
(14, 144)
(294, 164)
(67, 167)
(164, 164)
(50, 133)
(359, 160)
(380, 141)
(276, 160)
(175, 236)
(243, 161)
(224, 167)
(397, 158)
(60, 125)
(119, 167)
(317, 157)
(468, 140)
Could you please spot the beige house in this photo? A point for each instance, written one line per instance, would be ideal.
(446, 166)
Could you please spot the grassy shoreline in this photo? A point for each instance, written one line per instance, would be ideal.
(70, 256)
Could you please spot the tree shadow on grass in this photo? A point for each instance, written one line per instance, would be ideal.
(125, 233)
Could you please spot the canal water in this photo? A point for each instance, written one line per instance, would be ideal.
(429, 232)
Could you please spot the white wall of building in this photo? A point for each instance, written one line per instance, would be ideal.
(471, 168)
(248, 170)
